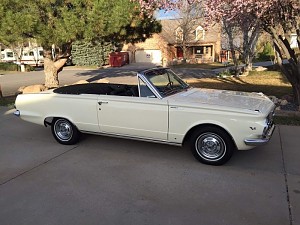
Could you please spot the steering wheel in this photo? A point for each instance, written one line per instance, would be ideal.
(169, 85)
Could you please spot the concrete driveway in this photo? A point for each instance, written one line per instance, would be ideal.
(115, 181)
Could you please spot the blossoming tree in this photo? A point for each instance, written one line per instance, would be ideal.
(279, 18)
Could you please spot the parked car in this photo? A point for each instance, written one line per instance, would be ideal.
(160, 108)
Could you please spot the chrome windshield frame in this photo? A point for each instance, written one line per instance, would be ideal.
(149, 85)
(143, 77)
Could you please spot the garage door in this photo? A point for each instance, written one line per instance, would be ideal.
(148, 56)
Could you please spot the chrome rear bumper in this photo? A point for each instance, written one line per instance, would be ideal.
(261, 141)
(17, 113)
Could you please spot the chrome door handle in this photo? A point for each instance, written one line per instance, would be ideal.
(100, 103)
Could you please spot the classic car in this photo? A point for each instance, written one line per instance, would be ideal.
(161, 107)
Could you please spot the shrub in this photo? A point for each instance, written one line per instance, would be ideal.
(14, 67)
(267, 53)
(91, 54)
(29, 68)
(9, 66)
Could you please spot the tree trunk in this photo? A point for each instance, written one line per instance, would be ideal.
(296, 91)
(291, 70)
(51, 74)
(248, 63)
(249, 45)
(232, 50)
(1, 95)
(54, 64)
(292, 73)
(229, 31)
(51, 70)
(184, 52)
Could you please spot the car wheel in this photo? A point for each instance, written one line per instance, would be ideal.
(64, 131)
(211, 145)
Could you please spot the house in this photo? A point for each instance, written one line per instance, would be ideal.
(154, 50)
(174, 43)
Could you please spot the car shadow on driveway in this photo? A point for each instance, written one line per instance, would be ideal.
(263, 158)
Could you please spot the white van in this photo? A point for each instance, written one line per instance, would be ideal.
(30, 56)
(7, 55)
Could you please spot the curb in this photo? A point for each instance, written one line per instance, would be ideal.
(287, 113)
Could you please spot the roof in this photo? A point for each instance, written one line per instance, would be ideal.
(212, 32)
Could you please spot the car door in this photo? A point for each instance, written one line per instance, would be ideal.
(139, 117)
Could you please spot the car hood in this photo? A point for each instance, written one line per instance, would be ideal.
(236, 100)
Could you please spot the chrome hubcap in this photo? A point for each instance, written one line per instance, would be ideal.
(63, 130)
(210, 146)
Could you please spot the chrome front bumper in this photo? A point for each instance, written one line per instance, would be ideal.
(261, 141)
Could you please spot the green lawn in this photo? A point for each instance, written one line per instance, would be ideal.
(268, 82)
(208, 66)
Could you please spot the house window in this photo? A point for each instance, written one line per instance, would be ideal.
(179, 34)
(41, 53)
(31, 53)
(9, 54)
(200, 33)
(199, 50)
(25, 53)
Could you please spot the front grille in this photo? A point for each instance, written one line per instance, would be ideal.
(270, 122)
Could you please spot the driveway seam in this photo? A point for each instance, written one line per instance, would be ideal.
(286, 180)
(35, 167)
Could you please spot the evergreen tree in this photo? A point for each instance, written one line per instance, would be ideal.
(56, 24)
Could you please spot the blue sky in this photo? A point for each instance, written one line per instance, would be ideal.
(163, 15)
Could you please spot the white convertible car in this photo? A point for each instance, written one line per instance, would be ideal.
(160, 108)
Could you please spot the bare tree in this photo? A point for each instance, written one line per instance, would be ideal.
(181, 30)
(231, 32)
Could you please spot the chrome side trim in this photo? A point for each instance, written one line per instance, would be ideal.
(261, 141)
(132, 138)
(17, 113)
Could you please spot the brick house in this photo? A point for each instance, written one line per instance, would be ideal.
(165, 48)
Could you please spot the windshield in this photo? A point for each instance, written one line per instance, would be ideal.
(166, 81)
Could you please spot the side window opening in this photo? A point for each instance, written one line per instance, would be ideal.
(144, 90)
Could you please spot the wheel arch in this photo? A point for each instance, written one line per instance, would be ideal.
(49, 119)
(188, 135)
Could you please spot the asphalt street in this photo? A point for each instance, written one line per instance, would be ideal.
(107, 181)
(11, 82)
